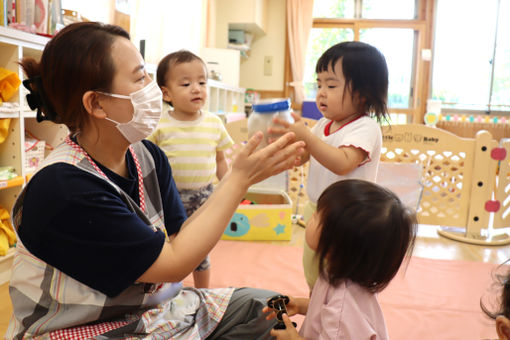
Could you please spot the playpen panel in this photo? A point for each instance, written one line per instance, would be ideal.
(447, 162)
(484, 174)
(502, 193)
(451, 194)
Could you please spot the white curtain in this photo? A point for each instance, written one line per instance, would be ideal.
(299, 24)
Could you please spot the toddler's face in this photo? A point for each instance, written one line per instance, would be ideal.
(334, 97)
(186, 87)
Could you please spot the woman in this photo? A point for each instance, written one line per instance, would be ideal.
(94, 257)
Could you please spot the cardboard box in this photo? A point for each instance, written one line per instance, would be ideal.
(268, 219)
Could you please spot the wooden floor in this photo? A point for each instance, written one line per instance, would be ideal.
(428, 244)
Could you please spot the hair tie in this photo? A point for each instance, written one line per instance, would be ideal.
(36, 99)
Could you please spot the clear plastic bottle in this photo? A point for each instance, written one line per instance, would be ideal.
(261, 118)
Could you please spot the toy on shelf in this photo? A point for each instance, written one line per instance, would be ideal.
(279, 304)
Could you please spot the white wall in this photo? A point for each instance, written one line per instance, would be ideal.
(271, 44)
(166, 25)
(93, 10)
(228, 63)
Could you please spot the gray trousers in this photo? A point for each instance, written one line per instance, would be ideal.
(243, 319)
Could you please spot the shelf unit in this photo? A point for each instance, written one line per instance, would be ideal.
(14, 45)
(224, 100)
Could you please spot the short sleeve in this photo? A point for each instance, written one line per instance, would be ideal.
(365, 135)
(225, 141)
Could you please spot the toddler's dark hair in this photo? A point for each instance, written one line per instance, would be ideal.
(502, 283)
(175, 58)
(365, 71)
(366, 232)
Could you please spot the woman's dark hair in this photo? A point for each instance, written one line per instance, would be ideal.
(502, 286)
(365, 71)
(172, 59)
(366, 232)
(78, 59)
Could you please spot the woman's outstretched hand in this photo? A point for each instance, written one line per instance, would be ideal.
(251, 166)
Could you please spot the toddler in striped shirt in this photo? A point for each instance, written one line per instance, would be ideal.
(193, 140)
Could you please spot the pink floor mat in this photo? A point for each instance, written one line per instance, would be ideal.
(431, 299)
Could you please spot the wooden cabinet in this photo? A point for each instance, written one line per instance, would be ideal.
(246, 15)
(250, 16)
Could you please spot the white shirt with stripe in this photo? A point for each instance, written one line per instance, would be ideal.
(191, 148)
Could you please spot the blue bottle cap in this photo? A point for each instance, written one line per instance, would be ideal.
(280, 105)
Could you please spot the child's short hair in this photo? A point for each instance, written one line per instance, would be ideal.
(175, 58)
(365, 71)
(366, 232)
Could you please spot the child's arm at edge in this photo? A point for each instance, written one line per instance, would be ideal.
(341, 160)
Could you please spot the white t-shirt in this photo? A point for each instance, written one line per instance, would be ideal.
(363, 133)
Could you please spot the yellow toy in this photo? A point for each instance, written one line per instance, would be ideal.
(9, 84)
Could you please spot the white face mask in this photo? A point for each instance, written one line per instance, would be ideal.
(147, 104)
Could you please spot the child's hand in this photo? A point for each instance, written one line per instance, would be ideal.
(292, 309)
(289, 333)
(281, 126)
(251, 166)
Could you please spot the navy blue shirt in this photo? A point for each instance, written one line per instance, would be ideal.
(79, 224)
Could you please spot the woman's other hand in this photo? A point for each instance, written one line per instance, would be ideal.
(290, 333)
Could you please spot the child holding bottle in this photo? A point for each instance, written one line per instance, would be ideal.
(361, 233)
(352, 79)
(192, 139)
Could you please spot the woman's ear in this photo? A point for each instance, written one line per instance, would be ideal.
(503, 327)
(91, 103)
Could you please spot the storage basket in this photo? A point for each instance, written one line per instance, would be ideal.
(34, 153)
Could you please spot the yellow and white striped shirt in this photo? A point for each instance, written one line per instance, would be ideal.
(191, 147)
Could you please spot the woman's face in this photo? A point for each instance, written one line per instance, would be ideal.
(130, 76)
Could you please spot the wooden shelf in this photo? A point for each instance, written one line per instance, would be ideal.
(15, 182)
(21, 38)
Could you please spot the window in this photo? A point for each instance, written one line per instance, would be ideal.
(397, 46)
(317, 42)
(388, 9)
(391, 25)
(471, 64)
